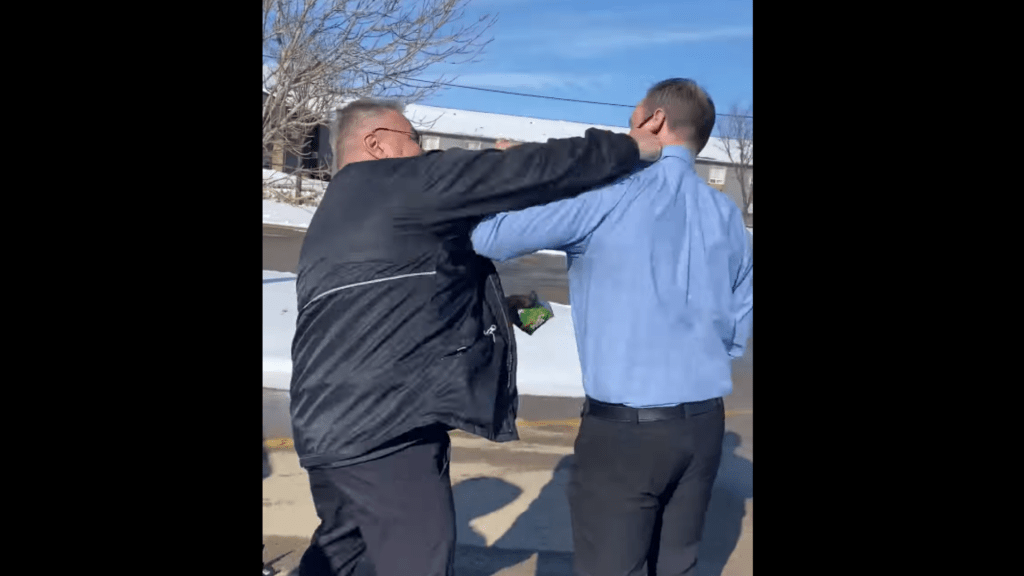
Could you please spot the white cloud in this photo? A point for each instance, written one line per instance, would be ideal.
(591, 41)
(533, 81)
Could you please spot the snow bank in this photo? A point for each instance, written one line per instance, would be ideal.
(548, 361)
(280, 214)
(279, 315)
(275, 179)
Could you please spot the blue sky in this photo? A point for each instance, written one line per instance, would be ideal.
(603, 51)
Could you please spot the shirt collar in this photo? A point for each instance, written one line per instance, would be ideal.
(678, 152)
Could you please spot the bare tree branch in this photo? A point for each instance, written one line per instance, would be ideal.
(736, 137)
(320, 53)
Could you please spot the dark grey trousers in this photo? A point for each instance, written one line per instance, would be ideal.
(397, 510)
(639, 491)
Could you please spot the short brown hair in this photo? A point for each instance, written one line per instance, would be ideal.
(686, 105)
(354, 113)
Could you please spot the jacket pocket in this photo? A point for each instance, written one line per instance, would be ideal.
(487, 335)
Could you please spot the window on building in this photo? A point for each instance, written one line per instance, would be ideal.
(431, 143)
(472, 145)
(716, 175)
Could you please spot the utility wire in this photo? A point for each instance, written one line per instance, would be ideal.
(541, 96)
(533, 95)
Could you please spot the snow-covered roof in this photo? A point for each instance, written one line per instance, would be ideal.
(495, 126)
(520, 128)
(489, 125)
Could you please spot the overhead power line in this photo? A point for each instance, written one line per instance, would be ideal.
(541, 96)
(532, 95)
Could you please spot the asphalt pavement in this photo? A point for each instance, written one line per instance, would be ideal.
(511, 508)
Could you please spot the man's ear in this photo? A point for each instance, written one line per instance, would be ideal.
(657, 123)
(372, 145)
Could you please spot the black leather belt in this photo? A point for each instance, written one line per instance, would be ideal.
(620, 413)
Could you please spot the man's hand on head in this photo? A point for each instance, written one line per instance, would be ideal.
(649, 145)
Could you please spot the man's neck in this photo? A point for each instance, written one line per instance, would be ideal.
(678, 142)
(355, 158)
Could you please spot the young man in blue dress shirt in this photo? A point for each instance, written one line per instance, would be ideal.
(661, 287)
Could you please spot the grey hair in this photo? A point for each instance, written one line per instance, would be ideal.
(687, 107)
(353, 114)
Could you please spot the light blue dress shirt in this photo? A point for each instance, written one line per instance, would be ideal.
(661, 281)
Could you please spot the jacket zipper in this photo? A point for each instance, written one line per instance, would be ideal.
(508, 359)
(488, 332)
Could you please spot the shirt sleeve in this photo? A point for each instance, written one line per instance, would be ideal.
(562, 225)
(743, 297)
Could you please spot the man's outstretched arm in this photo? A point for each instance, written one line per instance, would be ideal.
(465, 186)
(559, 225)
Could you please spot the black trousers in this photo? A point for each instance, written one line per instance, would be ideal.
(398, 510)
(639, 490)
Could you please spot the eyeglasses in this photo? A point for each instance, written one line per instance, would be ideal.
(640, 125)
(414, 135)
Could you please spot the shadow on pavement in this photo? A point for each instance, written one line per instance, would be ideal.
(545, 520)
(525, 549)
(723, 525)
(478, 497)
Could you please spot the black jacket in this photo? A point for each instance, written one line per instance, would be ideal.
(401, 324)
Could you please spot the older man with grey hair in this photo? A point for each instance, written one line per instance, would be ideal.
(403, 331)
